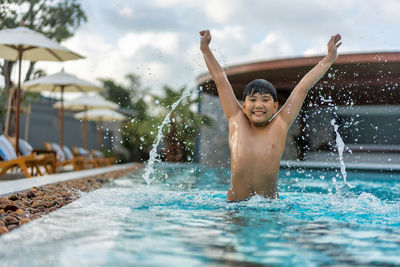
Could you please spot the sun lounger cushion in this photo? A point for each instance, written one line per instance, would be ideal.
(59, 152)
(3, 154)
(8, 152)
(68, 153)
(25, 147)
(98, 154)
(84, 152)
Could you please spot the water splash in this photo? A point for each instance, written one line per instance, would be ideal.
(340, 147)
(153, 153)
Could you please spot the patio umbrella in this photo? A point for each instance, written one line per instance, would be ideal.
(100, 115)
(22, 43)
(84, 103)
(60, 82)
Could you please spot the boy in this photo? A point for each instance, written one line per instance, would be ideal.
(257, 133)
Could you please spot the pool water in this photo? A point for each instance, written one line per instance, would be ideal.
(182, 219)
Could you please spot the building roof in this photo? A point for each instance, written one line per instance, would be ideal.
(365, 78)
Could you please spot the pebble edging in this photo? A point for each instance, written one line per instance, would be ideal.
(25, 206)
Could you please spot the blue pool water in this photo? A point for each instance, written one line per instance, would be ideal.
(182, 219)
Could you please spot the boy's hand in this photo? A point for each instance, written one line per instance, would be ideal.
(205, 39)
(333, 45)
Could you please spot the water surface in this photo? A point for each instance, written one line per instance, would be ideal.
(182, 219)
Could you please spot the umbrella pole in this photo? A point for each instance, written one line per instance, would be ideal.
(62, 118)
(85, 130)
(18, 98)
(10, 107)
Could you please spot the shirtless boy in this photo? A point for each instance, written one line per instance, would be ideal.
(257, 132)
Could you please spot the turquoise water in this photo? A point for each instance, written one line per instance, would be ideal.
(182, 219)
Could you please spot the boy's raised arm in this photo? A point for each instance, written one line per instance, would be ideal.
(292, 107)
(228, 100)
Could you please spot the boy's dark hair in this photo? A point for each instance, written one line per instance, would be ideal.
(259, 86)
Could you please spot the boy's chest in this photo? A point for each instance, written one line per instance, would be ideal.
(264, 143)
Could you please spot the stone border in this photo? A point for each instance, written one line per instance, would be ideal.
(9, 187)
(37, 201)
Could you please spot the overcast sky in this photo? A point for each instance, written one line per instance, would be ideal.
(159, 39)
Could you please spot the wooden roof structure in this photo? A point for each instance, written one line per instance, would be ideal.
(360, 79)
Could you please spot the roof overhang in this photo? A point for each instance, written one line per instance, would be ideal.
(367, 78)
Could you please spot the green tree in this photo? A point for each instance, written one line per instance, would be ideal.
(117, 93)
(124, 95)
(185, 122)
(138, 132)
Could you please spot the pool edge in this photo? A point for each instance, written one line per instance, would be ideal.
(10, 187)
(287, 164)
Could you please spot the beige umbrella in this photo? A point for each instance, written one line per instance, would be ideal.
(84, 103)
(25, 44)
(100, 115)
(60, 82)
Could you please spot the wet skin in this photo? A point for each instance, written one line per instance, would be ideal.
(256, 146)
(256, 141)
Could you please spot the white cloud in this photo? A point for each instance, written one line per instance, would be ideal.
(167, 3)
(131, 42)
(115, 60)
(272, 46)
(102, 59)
(389, 9)
(126, 11)
(154, 71)
(317, 48)
(228, 43)
(220, 11)
(309, 52)
(228, 32)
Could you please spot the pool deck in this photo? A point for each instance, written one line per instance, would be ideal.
(9, 187)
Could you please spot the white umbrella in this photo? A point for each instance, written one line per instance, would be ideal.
(87, 102)
(100, 115)
(25, 44)
(60, 82)
(84, 103)
(34, 46)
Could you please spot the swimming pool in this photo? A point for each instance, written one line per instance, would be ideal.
(182, 219)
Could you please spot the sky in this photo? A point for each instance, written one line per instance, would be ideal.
(159, 39)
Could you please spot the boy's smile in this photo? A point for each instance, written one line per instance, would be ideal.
(259, 108)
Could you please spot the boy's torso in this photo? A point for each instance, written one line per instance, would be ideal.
(255, 157)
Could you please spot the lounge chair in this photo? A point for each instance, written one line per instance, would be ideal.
(79, 159)
(103, 160)
(47, 159)
(64, 159)
(89, 162)
(11, 160)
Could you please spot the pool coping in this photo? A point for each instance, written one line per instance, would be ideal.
(10, 187)
(336, 165)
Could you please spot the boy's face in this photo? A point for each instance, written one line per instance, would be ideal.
(259, 108)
